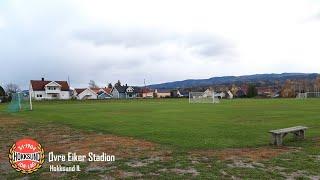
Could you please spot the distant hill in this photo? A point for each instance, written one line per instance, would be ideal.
(228, 80)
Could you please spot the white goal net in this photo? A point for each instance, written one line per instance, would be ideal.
(308, 95)
(203, 97)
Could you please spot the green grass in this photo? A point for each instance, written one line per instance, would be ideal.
(180, 127)
(232, 123)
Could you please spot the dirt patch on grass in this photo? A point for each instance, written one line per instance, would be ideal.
(254, 154)
(135, 158)
(188, 171)
(242, 163)
(6, 122)
(316, 140)
(62, 139)
(125, 174)
(299, 175)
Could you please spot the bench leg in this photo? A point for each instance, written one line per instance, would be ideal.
(276, 139)
(299, 134)
(273, 139)
(303, 132)
(279, 139)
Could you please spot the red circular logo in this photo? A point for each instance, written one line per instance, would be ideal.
(26, 156)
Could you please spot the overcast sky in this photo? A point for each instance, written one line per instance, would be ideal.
(158, 41)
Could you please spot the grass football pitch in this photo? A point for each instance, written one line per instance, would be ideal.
(170, 138)
(232, 123)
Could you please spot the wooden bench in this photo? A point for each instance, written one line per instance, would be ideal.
(278, 135)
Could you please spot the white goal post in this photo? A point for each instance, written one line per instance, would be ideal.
(203, 97)
(308, 95)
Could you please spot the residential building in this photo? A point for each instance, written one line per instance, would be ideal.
(175, 93)
(208, 93)
(42, 89)
(220, 95)
(103, 93)
(229, 94)
(268, 92)
(85, 93)
(241, 93)
(162, 93)
(125, 92)
(147, 93)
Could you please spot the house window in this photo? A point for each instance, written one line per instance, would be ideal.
(39, 95)
(130, 89)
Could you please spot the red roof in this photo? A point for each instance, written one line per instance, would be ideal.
(107, 90)
(96, 90)
(38, 85)
(79, 90)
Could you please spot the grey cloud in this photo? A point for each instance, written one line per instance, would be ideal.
(210, 50)
(117, 63)
(206, 45)
(127, 38)
(200, 43)
(40, 45)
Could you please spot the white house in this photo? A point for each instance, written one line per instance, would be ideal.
(41, 89)
(208, 93)
(162, 93)
(230, 95)
(85, 93)
(220, 95)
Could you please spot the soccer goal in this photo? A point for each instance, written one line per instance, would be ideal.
(202, 97)
(301, 96)
(20, 102)
(308, 95)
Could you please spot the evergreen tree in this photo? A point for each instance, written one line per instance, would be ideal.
(252, 91)
(2, 92)
(118, 83)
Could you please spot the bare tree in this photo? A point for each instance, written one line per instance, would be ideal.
(317, 84)
(92, 84)
(288, 89)
(12, 88)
